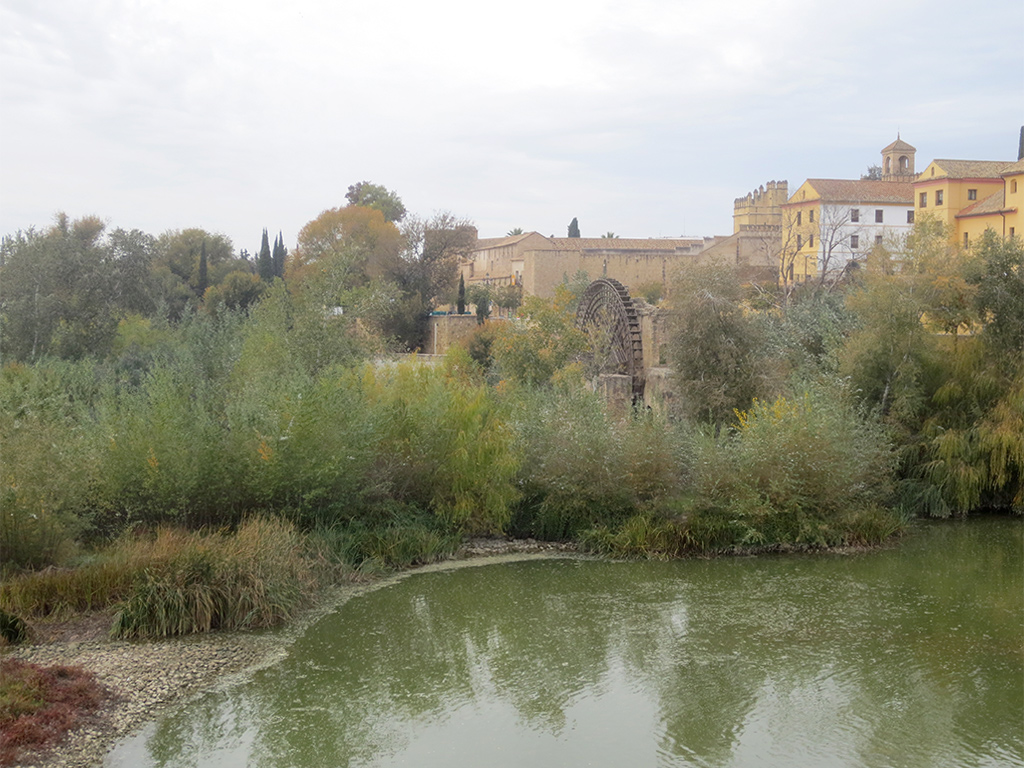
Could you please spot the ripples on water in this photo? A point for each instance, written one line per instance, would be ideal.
(910, 656)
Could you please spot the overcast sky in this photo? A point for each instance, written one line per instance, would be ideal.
(646, 118)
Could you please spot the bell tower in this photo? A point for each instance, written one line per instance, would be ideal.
(898, 161)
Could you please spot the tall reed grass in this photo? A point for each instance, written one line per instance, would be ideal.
(257, 577)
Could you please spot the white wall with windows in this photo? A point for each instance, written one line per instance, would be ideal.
(848, 231)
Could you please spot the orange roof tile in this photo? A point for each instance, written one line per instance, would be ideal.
(972, 169)
(991, 204)
(863, 191)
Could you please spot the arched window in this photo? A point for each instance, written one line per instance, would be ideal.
(888, 165)
(904, 163)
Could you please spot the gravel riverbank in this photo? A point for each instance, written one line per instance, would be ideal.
(144, 677)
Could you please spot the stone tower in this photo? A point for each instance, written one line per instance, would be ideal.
(898, 161)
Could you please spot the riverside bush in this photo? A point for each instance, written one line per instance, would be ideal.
(582, 469)
(809, 470)
(443, 442)
(48, 463)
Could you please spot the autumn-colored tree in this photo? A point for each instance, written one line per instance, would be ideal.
(353, 245)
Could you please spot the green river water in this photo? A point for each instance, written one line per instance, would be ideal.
(908, 656)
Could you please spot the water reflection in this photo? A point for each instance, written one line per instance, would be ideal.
(909, 657)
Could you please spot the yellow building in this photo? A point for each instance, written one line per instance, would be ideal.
(999, 212)
(970, 196)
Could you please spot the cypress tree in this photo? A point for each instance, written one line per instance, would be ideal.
(461, 305)
(574, 228)
(278, 257)
(264, 262)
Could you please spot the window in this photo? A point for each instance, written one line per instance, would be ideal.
(799, 242)
(910, 217)
(799, 218)
(924, 199)
(878, 239)
(1013, 187)
(810, 216)
(1011, 231)
(854, 242)
(810, 241)
(938, 197)
(967, 240)
(878, 215)
(855, 214)
(972, 194)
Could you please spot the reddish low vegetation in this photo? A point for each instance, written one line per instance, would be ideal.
(38, 705)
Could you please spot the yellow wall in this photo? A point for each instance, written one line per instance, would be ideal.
(973, 226)
(1014, 198)
(801, 217)
(933, 179)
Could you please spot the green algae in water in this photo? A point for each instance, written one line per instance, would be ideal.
(908, 656)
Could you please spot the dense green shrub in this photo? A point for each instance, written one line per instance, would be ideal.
(443, 443)
(801, 471)
(583, 469)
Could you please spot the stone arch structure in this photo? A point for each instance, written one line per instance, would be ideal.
(607, 315)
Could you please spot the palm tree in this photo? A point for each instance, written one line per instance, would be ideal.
(514, 232)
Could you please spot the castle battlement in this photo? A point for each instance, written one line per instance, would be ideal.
(762, 207)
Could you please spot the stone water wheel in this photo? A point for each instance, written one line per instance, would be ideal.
(607, 315)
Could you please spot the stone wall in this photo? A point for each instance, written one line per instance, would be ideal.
(446, 330)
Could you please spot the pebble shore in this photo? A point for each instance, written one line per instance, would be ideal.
(144, 677)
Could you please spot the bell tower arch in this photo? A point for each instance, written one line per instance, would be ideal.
(898, 161)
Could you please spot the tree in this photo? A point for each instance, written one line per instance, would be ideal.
(541, 342)
(609, 236)
(509, 297)
(265, 261)
(574, 228)
(176, 261)
(998, 273)
(378, 197)
(279, 255)
(480, 297)
(874, 173)
(353, 245)
(203, 280)
(514, 232)
(461, 302)
(430, 260)
(239, 290)
(716, 345)
(132, 253)
(56, 291)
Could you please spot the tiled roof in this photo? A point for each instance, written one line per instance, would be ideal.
(971, 169)
(1012, 168)
(899, 146)
(498, 242)
(863, 191)
(991, 204)
(622, 243)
